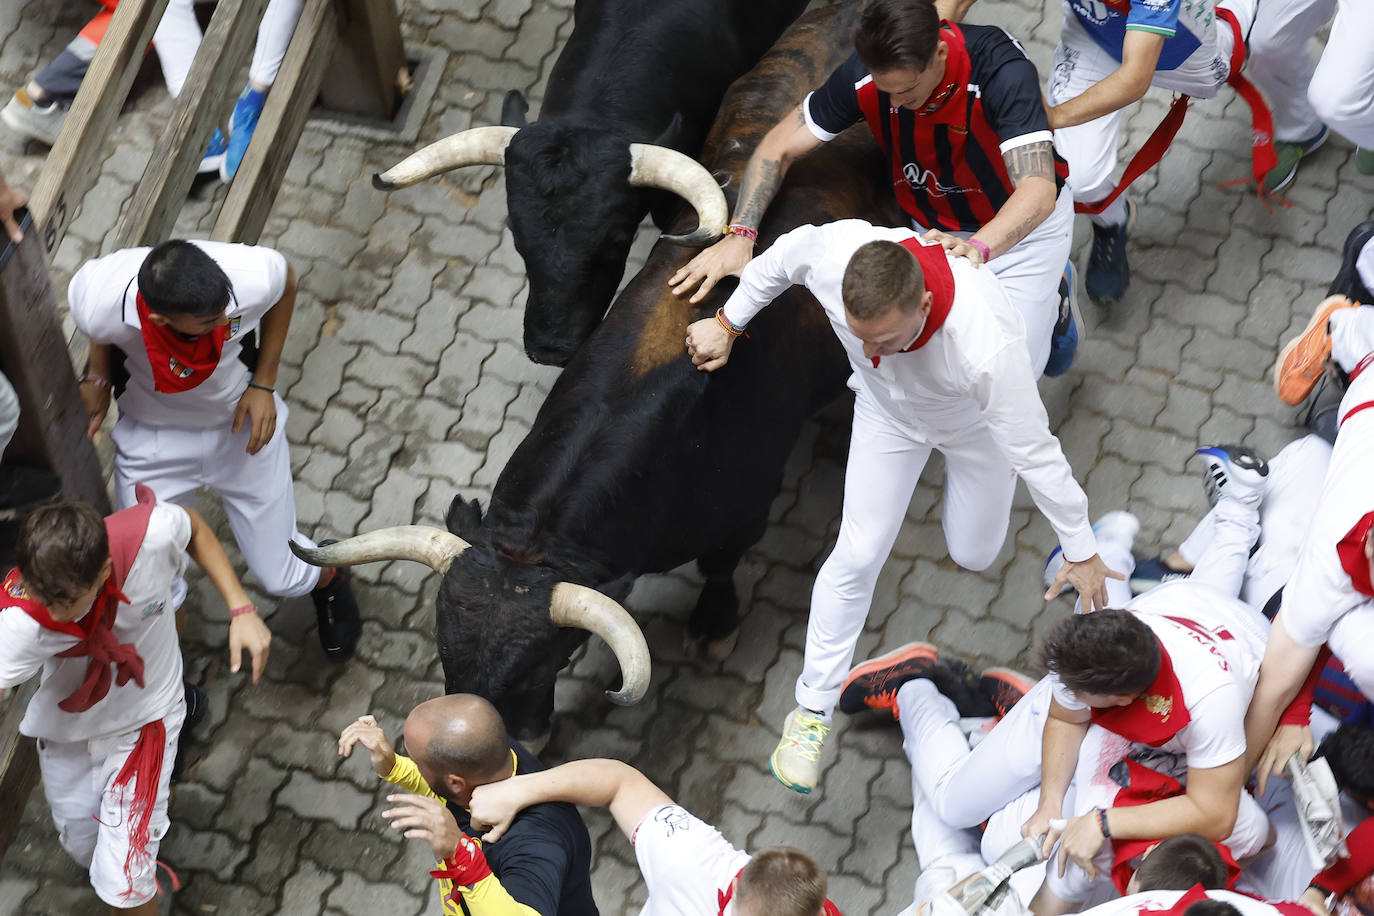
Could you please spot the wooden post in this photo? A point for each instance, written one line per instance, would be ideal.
(73, 163)
(52, 431)
(283, 118)
(161, 192)
(362, 78)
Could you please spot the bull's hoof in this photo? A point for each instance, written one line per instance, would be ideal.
(715, 651)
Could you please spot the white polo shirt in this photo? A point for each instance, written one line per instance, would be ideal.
(975, 370)
(101, 296)
(686, 863)
(147, 620)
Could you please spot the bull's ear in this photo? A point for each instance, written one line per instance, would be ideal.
(514, 109)
(464, 518)
(672, 134)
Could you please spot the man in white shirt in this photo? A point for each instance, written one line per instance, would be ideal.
(940, 363)
(191, 413)
(92, 606)
(688, 867)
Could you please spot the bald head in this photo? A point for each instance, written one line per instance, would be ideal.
(458, 735)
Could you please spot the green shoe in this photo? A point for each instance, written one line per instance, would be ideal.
(796, 762)
(1364, 161)
(1290, 154)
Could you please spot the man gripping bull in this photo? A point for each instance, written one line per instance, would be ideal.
(958, 110)
(940, 363)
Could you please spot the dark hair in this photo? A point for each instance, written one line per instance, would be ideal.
(882, 276)
(1350, 752)
(1107, 652)
(895, 34)
(178, 278)
(1211, 907)
(781, 881)
(60, 551)
(1181, 861)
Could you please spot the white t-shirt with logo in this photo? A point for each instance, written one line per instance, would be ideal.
(147, 620)
(686, 863)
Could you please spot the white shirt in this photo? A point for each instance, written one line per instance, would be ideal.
(147, 621)
(101, 296)
(1320, 591)
(686, 863)
(1216, 643)
(1162, 900)
(974, 370)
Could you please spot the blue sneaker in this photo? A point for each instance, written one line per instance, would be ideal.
(213, 160)
(1233, 471)
(1151, 572)
(242, 123)
(1064, 338)
(1109, 273)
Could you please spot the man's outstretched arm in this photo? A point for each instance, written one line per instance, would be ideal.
(596, 783)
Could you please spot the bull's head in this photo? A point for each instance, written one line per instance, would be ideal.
(574, 202)
(504, 630)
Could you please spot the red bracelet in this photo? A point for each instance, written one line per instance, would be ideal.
(240, 611)
(738, 229)
(982, 247)
(725, 323)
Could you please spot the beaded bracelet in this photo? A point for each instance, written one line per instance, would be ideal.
(240, 611)
(98, 380)
(742, 230)
(725, 323)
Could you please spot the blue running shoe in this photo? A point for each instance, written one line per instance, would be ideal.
(1064, 338)
(1109, 273)
(213, 160)
(1151, 572)
(242, 123)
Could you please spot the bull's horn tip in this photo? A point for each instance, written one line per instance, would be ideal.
(624, 697)
(382, 183)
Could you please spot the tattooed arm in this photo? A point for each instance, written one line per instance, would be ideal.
(789, 139)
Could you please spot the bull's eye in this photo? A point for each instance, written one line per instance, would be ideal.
(522, 589)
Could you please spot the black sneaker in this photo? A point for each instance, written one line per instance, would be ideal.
(197, 705)
(957, 681)
(1347, 281)
(336, 611)
(873, 684)
(1108, 272)
(1153, 571)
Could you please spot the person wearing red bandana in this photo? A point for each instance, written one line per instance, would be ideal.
(958, 110)
(688, 867)
(940, 363)
(91, 606)
(189, 337)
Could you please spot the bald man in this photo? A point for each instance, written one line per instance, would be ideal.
(457, 743)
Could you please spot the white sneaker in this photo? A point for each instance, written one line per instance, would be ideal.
(40, 122)
(1234, 472)
(1117, 525)
(796, 762)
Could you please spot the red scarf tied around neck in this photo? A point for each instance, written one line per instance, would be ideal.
(179, 363)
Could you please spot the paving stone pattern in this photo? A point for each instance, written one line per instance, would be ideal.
(407, 385)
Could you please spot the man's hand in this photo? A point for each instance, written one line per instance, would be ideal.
(725, 258)
(96, 399)
(247, 631)
(1089, 577)
(1287, 741)
(1081, 841)
(709, 344)
(430, 820)
(1315, 901)
(11, 199)
(368, 733)
(1041, 823)
(260, 407)
(494, 806)
(955, 246)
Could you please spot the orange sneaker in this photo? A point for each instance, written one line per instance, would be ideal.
(1004, 688)
(1303, 360)
(873, 684)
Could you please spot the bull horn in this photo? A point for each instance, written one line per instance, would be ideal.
(588, 609)
(434, 547)
(475, 146)
(668, 170)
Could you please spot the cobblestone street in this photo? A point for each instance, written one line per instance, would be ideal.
(407, 385)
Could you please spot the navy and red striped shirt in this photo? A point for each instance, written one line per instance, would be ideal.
(947, 166)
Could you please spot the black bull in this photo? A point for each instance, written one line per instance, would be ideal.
(637, 462)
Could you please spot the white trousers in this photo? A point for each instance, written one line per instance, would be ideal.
(9, 413)
(257, 490)
(1030, 274)
(1091, 148)
(1338, 90)
(93, 818)
(885, 461)
(274, 34)
(177, 39)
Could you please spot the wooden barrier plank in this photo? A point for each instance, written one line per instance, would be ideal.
(283, 118)
(73, 163)
(362, 79)
(203, 100)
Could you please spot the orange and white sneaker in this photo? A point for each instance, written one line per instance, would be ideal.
(1004, 688)
(874, 684)
(1303, 359)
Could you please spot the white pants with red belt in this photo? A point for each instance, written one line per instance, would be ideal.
(257, 490)
(93, 817)
(885, 461)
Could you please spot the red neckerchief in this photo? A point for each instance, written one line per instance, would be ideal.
(95, 629)
(178, 364)
(1196, 894)
(723, 898)
(939, 280)
(1351, 551)
(945, 105)
(1145, 786)
(1153, 717)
